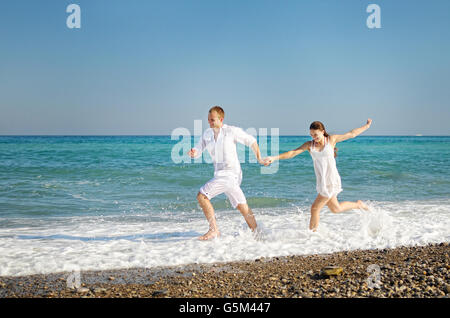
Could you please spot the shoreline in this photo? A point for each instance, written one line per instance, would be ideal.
(409, 271)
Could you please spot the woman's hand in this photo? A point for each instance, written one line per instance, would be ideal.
(268, 160)
(261, 161)
(369, 122)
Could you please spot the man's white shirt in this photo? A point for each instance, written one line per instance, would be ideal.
(223, 150)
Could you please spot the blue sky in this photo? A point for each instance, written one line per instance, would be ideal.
(147, 67)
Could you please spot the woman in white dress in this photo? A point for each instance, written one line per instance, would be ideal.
(328, 182)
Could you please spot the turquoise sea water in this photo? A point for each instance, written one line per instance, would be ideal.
(64, 176)
(50, 182)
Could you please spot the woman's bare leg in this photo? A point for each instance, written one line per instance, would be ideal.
(337, 207)
(317, 205)
(208, 210)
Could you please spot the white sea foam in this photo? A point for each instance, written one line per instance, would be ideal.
(125, 241)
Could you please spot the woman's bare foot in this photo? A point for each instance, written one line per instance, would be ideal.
(211, 234)
(362, 205)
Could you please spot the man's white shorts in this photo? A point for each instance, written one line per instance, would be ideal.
(230, 185)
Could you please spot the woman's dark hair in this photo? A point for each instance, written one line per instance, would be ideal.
(317, 125)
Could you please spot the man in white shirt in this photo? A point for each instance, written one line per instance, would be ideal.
(220, 141)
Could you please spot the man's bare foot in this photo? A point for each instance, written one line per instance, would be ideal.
(362, 205)
(211, 234)
(258, 234)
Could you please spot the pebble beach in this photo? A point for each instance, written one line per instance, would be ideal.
(411, 272)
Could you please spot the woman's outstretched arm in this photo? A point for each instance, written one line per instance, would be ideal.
(287, 155)
(352, 133)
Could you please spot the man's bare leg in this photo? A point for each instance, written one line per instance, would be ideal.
(248, 216)
(208, 210)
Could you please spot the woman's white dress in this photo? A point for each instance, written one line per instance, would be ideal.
(327, 175)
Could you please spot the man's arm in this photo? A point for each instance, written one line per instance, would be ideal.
(248, 140)
(243, 137)
(198, 149)
(255, 149)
